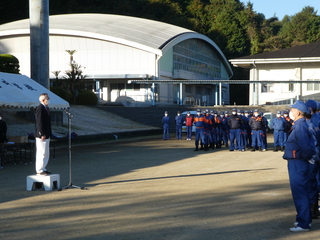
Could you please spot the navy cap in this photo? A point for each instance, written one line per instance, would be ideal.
(312, 104)
(301, 106)
(226, 111)
(234, 110)
(211, 111)
(256, 110)
(222, 112)
(165, 112)
(198, 110)
(278, 112)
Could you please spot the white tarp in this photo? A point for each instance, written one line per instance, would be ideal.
(20, 91)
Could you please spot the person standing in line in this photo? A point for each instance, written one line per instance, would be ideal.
(199, 124)
(217, 129)
(255, 124)
(313, 123)
(299, 150)
(179, 122)
(207, 130)
(224, 128)
(234, 123)
(247, 129)
(3, 130)
(189, 123)
(278, 124)
(264, 132)
(289, 123)
(43, 134)
(166, 126)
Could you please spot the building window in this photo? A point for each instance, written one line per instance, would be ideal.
(198, 57)
(133, 87)
(188, 88)
(267, 87)
(312, 86)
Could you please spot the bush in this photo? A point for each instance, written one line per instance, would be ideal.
(9, 64)
(87, 98)
(62, 93)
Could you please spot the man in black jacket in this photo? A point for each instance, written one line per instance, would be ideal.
(43, 134)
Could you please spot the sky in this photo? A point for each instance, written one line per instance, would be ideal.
(280, 8)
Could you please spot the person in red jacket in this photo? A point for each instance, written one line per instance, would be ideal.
(189, 123)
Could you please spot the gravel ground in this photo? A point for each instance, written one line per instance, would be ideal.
(86, 121)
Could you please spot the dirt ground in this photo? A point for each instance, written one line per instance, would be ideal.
(150, 189)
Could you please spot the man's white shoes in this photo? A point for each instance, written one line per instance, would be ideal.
(299, 229)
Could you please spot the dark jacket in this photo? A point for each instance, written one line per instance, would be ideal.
(256, 123)
(43, 122)
(234, 121)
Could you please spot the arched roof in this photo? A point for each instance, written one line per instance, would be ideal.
(148, 35)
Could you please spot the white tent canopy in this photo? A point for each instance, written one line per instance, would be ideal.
(20, 91)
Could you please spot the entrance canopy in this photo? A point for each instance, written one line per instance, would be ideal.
(20, 91)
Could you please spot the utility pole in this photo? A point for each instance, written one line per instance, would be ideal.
(39, 41)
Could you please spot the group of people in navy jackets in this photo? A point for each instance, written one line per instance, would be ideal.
(296, 134)
(240, 130)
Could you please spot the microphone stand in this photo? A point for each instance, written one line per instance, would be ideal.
(70, 185)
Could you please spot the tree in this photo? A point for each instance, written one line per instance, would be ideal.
(302, 28)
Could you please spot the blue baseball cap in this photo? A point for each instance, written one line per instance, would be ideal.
(301, 106)
(312, 104)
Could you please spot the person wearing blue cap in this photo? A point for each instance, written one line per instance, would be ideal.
(313, 108)
(198, 121)
(166, 126)
(278, 124)
(216, 128)
(312, 121)
(247, 130)
(299, 150)
(179, 122)
(224, 128)
(256, 124)
(234, 123)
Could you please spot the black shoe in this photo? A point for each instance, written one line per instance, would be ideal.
(196, 149)
(231, 150)
(260, 149)
(47, 172)
(227, 145)
(281, 149)
(276, 149)
(253, 149)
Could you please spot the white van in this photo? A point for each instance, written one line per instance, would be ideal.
(269, 116)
